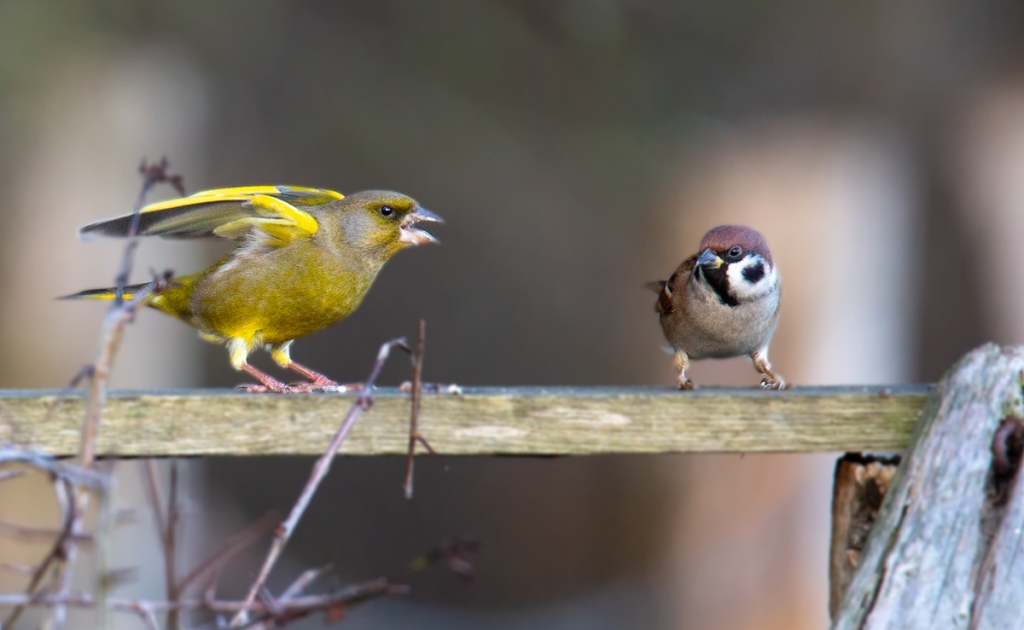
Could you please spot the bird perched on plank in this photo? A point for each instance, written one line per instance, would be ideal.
(305, 260)
(722, 302)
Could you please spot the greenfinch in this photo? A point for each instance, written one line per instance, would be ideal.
(306, 259)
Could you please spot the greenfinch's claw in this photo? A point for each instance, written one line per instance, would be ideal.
(252, 388)
(291, 388)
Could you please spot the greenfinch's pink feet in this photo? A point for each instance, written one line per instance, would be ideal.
(315, 377)
(320, 383)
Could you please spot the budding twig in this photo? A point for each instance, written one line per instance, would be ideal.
(414, 414)
(320, 469)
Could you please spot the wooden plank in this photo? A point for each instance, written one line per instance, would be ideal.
(520, 421)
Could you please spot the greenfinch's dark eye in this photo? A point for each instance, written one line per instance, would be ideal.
(386, 211)
(735, 252)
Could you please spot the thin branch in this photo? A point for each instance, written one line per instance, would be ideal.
(105, 579)
(118, 316)
(11, 474)
(455, 554)
(170, 545)
(156, 500)
(86, 371)
(320, 469)
(288, 610)
(303, 582)
(152, 174)
(63, 490)
(231, 548)
(23, 569)
(70, 473)
(35, 534)
(414, 414)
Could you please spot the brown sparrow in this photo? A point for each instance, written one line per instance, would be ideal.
(722, 302)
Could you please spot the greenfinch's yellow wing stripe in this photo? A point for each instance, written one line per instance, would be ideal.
(297, 195)
(228, 213)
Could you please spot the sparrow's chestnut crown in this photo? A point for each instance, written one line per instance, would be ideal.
(725, 240)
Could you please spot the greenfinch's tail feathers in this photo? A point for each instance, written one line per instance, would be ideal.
(103, 294)
(173, 299)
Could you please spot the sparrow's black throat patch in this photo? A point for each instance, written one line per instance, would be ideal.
(718, 280)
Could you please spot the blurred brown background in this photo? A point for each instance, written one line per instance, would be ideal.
(576, 149)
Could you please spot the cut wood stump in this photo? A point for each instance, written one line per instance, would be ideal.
(861, 483)
(947, 548)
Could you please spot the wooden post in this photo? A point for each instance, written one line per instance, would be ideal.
(947, 549)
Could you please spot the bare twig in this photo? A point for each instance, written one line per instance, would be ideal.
(29, 533)
(56, 555)
(303, 582)
(68, 472)
(19, 568)
(269, 612)
(86, 371)
(320, 469)
(11, 474)
(289, 610)
(229, 549)
(152, 174)
(156, 500)
(167, 529)
(117, 317)
(120, 313)
(455, 554)
(414, 414)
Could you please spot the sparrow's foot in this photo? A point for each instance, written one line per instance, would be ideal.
(682, 361)
(774, 382)
(771, 380)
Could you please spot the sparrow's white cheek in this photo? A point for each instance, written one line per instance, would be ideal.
(739, 279)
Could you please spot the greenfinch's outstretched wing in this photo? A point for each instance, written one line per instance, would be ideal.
(272, 212)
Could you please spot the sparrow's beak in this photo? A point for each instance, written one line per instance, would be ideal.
(709, 259)
(414, 236)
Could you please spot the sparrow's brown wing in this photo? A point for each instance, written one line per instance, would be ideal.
(668, 289)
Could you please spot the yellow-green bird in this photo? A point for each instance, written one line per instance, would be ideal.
(306, 259)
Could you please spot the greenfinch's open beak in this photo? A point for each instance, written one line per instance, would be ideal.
(709, 259)
(413, 235)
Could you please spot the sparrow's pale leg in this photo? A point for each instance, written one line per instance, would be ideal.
(682, 362)
(771, 380)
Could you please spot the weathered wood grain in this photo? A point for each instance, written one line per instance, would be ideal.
(947, 548)
(528, 421)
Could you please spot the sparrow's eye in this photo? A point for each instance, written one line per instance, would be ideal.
(386, 211)
(735, 253)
